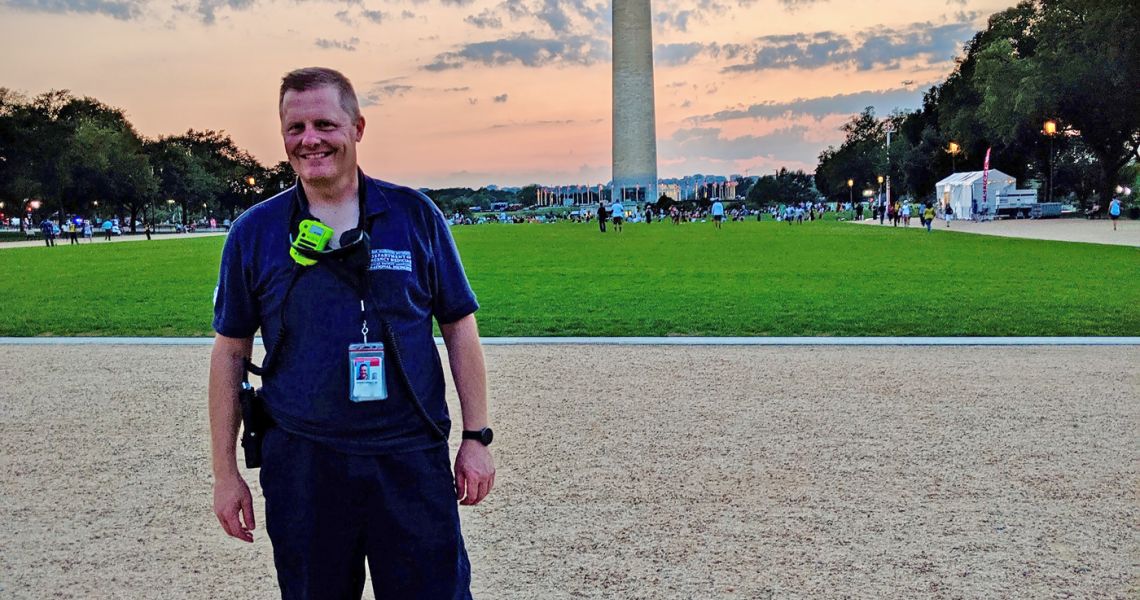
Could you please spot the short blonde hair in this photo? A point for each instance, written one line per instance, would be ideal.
(309, 78)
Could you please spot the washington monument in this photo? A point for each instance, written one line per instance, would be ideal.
(635, 126)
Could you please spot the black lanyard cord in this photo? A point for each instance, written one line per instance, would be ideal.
(359, 283)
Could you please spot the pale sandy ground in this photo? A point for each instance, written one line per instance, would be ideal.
(632, 472)
(1095, 231)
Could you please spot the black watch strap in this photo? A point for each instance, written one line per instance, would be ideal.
(485, 436)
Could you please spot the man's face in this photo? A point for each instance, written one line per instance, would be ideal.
(320, 137)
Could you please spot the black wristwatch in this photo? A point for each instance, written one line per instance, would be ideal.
(484, 435)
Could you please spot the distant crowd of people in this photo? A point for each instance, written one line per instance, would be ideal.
(75, 226)
(615, 215)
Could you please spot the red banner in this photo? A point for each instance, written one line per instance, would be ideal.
(986, 177)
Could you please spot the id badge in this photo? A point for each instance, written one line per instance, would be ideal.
(366, 372)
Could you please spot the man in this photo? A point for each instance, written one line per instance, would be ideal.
(717, 213)
(1114, 211)
(48, 227)
(618, 214)
(352, 471)
(602, 216)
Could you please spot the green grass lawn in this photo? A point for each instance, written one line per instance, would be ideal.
(822, 278)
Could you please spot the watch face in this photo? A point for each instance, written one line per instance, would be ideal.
(487, 436)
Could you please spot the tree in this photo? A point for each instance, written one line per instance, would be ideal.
(227, 171)
(104, 161)
(1089, 55)
(861, 157)
(785, 187)
(527, 196)
(182, 176)
(743, 185)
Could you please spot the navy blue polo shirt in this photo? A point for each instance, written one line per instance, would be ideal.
(415, 275)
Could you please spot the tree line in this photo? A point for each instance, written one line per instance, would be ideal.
(63, 155)
(1074, 63)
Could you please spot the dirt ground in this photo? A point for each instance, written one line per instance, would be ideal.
(1095, 231)
(632, 472)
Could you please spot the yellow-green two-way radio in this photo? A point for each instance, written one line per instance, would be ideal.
(312, 236)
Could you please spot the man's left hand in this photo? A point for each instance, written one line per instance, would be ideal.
(474, 472)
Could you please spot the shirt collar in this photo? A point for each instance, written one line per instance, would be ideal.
(372, 199)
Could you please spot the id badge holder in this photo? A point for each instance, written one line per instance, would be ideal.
(366, 373)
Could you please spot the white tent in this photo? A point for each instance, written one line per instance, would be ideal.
(962, 190)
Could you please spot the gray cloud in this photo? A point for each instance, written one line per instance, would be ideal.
(382, 90)
(881, 48)
(349, 44)
(500, 99)
(883, 100)
(677, 54)
(797, 4)
(407, 14)
(540, 123)
(562, 17)
(207, 9)
(375, 16)
(343, 17)
(455, 2)
(873, 48)
(485, 20)
(704, 144)
(524, 50)
(552, 14)
(473, 101)
(676, 20)
(122, 10)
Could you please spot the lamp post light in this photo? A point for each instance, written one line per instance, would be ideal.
(850, 196)
(1050, 129)
(953, 148)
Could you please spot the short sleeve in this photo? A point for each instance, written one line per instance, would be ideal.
(235, 308)
(452, 298)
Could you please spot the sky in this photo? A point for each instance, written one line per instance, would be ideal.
(505, 92)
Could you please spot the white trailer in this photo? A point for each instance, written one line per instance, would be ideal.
(1016, 203)
(1000, 196)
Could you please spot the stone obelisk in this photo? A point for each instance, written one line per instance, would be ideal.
(635, 125)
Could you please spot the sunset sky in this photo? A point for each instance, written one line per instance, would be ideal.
(507, 92)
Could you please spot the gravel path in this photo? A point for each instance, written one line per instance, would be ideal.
(633, 472)
(1095, 231)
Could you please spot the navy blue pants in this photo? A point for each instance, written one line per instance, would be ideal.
(327, 512)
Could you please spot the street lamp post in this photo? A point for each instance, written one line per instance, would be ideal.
(850, 196)
(1050, 129)
(953, 149)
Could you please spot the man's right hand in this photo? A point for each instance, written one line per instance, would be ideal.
(231, 496)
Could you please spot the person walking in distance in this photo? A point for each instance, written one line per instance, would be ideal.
(618, 214)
